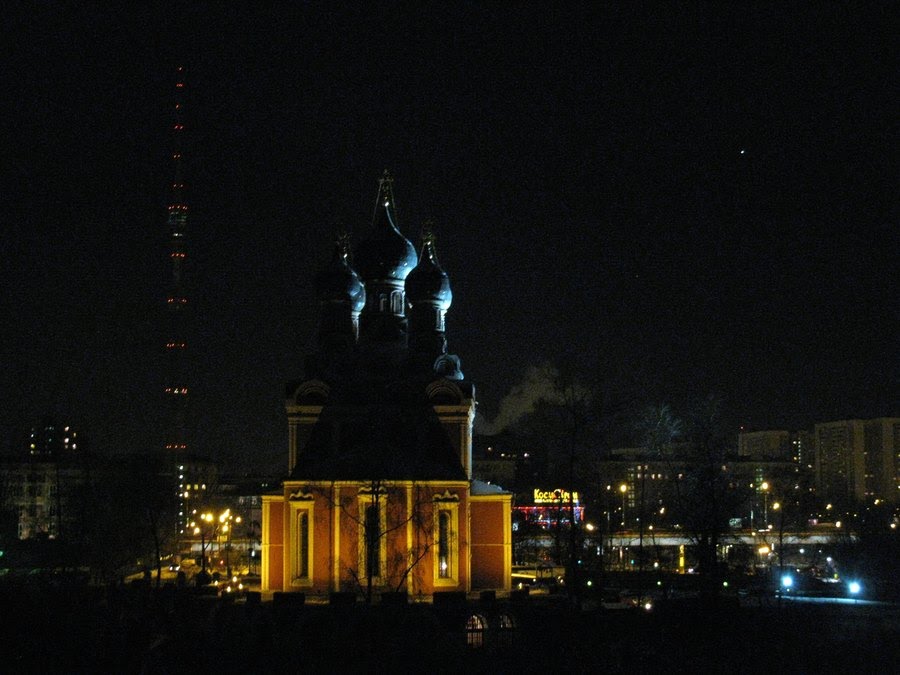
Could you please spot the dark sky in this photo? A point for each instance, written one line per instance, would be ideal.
(706, 198)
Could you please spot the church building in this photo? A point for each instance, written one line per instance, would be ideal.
(380, 496)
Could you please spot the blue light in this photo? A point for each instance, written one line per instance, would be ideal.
(787, 581)
(854, 587)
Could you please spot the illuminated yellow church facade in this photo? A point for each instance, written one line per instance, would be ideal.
(380, 496)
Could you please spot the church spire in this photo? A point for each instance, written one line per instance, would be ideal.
(429, 295)
(384, 215)
(341, 297)
(384, 260)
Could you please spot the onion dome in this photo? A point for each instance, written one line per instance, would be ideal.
(385, 254)
(338, 283)
(428, 282)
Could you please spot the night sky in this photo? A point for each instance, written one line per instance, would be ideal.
(703, 199)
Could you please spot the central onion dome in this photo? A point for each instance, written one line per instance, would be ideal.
(337, 283)
(385, 254)
(428, 282)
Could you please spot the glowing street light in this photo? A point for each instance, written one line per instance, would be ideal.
(211, 526)
(624, 490)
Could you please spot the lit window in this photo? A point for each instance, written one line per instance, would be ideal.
(373, 537)
(475, 626)
(372, 541)
(303, 544)
(446, 542)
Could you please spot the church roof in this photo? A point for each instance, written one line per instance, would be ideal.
(391, 440)
(338, 282)
(479, 488)
(428, 282)
(385, 253)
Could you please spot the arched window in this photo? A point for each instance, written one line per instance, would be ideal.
(303, 545)
(301, 552)
(372, 542)
(506, 627)
(446, 540)
(397, 302)
(444, 533)
(373, 538)
(475, 627)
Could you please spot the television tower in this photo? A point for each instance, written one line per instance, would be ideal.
(176, 389)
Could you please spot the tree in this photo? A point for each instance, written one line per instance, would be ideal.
(389, 508)
(563, 429)
(124, 513)
(658, 428)
(708, 495)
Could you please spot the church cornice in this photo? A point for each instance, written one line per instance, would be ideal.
(310, 393)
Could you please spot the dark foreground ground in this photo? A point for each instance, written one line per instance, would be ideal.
(139, 630)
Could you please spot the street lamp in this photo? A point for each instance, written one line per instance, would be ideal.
(200, 527)
(608, 507)
(624, 490)
(211, 527)
(779, 507)
(765, 490)
(226, 524)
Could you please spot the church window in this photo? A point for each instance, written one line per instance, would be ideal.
(303, 545)
(397, 302)
(373, 535)
(446, 543)
(372, 544)
(302, 538)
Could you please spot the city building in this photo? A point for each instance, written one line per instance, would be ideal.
(549, 508)
(766, 444)
(39, 481)
(840, 462)
(37, 493)
(380, 494)
(881, 439)
(858, 459)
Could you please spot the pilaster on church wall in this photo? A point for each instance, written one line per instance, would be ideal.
(323, 536)
(347, 497)
(458, 420)
(273, 522)
(301, 419)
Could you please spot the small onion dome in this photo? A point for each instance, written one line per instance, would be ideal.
(385, 253)
(338, 282)
(428, 283)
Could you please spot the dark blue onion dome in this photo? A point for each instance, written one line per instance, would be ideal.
(385, 254)
(428, 282)
(337, 282)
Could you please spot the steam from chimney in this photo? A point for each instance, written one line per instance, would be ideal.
(539, 383)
